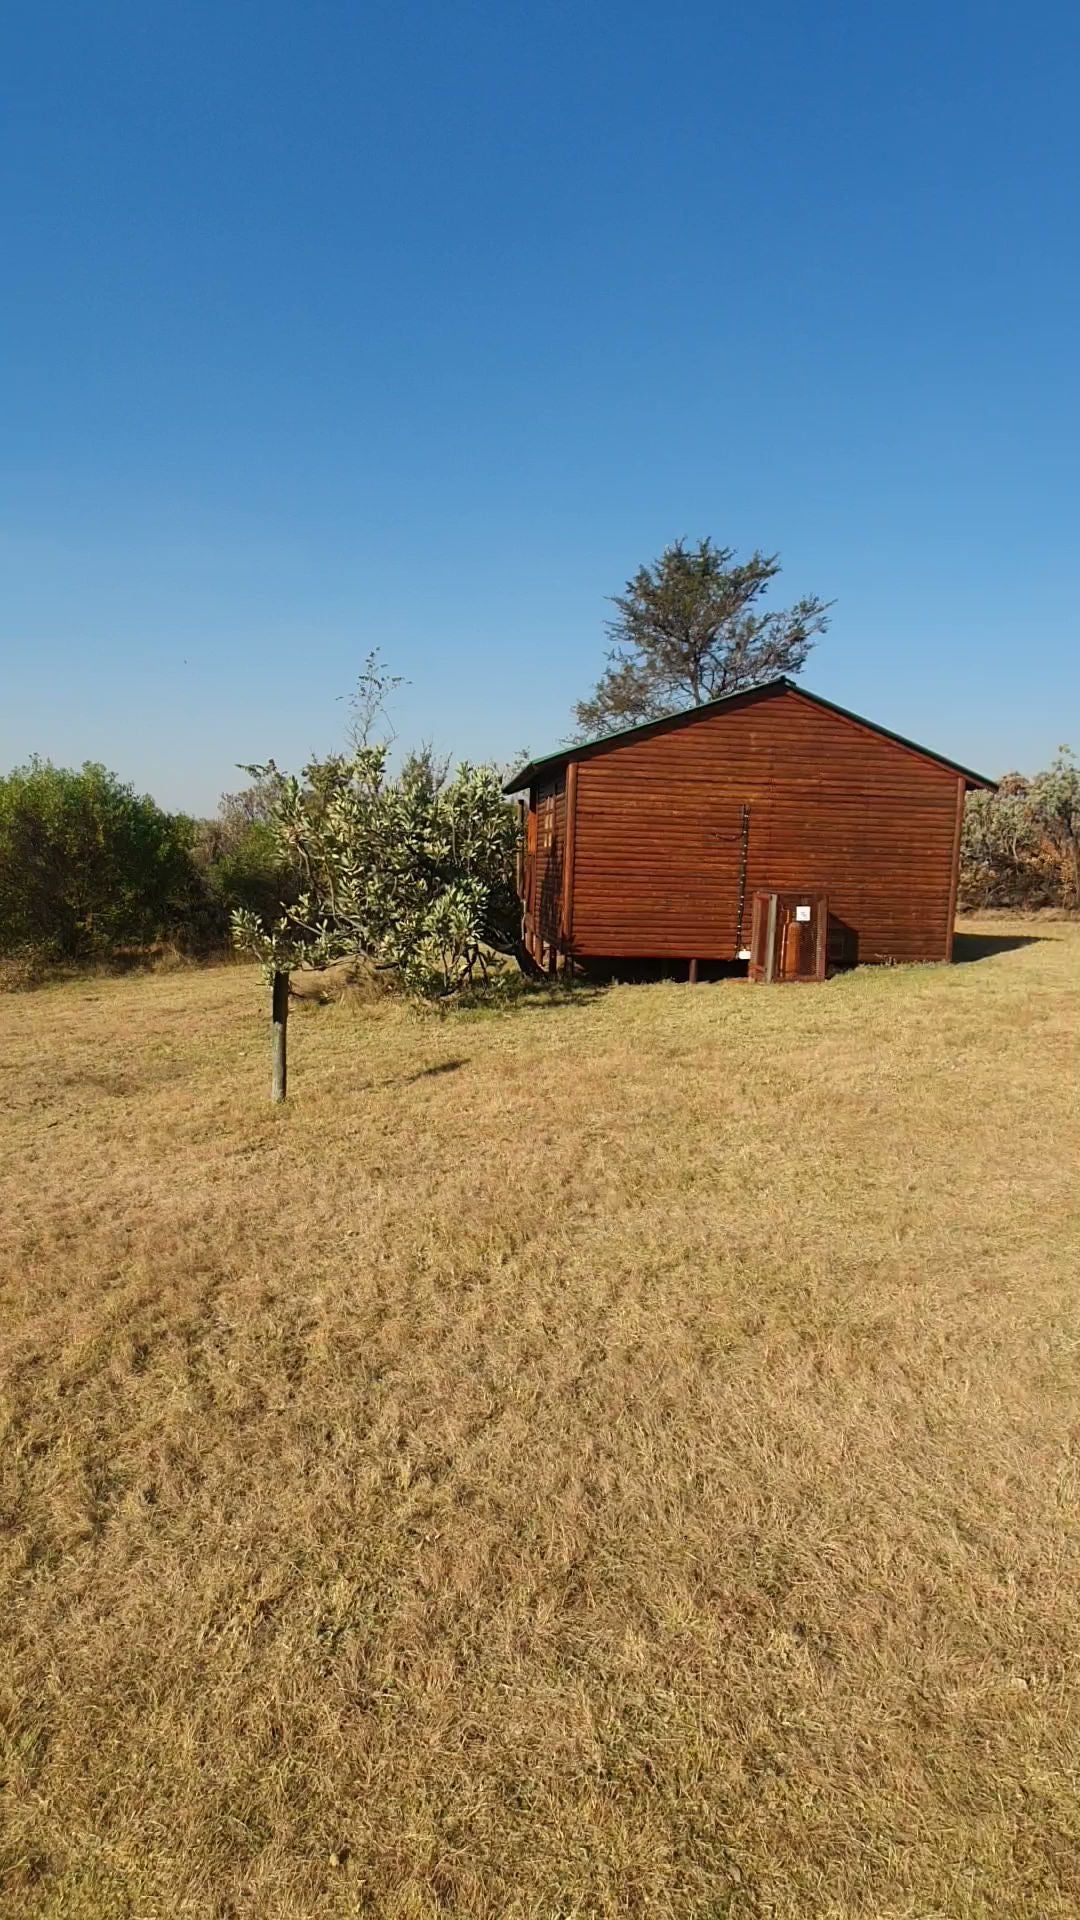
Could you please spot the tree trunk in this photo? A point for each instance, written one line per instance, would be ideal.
(530, 968)
(279, 1020)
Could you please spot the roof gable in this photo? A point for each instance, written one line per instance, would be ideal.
(610, 743)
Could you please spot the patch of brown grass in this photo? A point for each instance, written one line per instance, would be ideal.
(619, 1457)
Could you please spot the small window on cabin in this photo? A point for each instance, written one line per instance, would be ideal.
(547, 823)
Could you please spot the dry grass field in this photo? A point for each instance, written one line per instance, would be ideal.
(619, 1457)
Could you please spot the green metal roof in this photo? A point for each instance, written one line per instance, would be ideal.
(534, 769)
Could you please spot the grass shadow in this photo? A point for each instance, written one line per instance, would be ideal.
(555, 999)
(422, 1073)
(517, 993)
(983, 946)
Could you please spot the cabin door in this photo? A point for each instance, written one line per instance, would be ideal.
(789, 937)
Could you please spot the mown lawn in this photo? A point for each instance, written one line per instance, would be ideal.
(620, 1457)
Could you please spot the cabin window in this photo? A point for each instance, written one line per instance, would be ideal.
(547, 823)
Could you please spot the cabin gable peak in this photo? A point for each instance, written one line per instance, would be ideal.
(546, 765)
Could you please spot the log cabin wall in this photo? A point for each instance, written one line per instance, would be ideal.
(833, 806)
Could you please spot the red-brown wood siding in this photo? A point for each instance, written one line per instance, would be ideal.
(544, 900)
(569, 850)
(833, 807)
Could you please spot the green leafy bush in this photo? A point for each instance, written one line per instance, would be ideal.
(1021, 844)
(416, 874)
(240, 858)
(88, 866)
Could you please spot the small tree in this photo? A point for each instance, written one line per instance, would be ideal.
(369, 701)
(414, 875)
(690, 628)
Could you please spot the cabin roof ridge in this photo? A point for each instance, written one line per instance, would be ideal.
(688, 716)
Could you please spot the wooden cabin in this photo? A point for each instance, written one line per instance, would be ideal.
(769, 826)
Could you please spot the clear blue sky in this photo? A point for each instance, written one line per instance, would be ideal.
(419, 323)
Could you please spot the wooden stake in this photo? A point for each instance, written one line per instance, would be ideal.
(692, 973)
(770, 941)
(279, 1018)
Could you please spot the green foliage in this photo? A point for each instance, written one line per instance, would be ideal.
(240, 859)
(415, 874)
(1056, 797)
(87, 865)
(250, 874)
(1021, 845)
(368, 702)
(691, 628)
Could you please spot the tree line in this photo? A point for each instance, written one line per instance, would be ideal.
(1021, 845)
(416, 869)
(91, 870)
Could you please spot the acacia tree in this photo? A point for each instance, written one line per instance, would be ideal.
(692, 627)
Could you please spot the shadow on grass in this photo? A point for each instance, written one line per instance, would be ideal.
(541, 998)
(422, 1073)
(515, 993)
(983, 946)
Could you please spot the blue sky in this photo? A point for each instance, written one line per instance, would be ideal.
(419, 326)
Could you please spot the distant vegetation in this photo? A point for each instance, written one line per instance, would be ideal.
(240, 858)
(1021, 845)
(414, 872)
(91, 871)
(88, 866)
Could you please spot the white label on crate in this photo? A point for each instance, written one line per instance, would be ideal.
(802, 913)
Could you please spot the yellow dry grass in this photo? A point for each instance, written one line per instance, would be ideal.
(614, 1458)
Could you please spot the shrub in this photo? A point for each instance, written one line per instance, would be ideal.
(87, 865)
(415, 874)
(240, 858)
(1021, 844)
(23, 968)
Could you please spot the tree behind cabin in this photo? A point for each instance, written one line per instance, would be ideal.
(691, 628)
